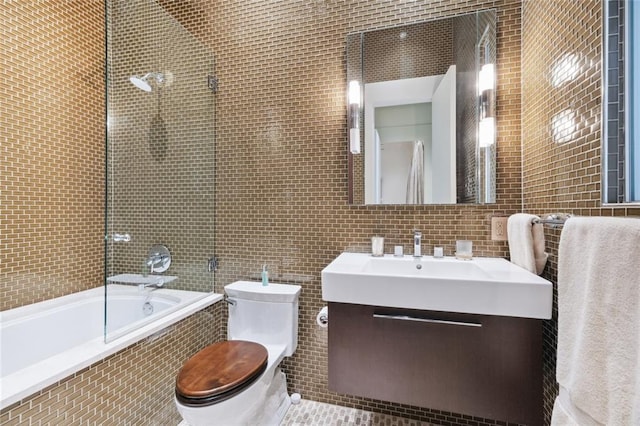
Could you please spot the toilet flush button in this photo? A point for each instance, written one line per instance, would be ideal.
(295, 398)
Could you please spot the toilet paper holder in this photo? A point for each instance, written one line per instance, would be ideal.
(322, 319)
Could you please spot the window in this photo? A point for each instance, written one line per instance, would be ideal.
(621, 103)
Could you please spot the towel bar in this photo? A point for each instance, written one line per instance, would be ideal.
(554, 220)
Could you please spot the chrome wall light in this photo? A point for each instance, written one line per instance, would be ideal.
(354, 116)
(486, 90)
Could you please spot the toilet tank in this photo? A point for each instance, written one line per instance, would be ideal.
(264, 314)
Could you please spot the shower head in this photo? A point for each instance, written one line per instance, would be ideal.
(140, 82)
(144, 82)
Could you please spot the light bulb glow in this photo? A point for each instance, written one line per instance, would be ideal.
(486, 78)
(354, 92)
(487, 132)
(354, 141)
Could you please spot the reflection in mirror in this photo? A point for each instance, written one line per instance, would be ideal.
(427, 116)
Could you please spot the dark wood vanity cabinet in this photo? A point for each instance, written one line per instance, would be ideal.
(486, 366)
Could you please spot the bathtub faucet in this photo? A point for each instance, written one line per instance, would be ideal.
(158, 284)
(155, 259)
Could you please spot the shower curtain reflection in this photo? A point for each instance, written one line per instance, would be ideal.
(415, 184)
(160, 156)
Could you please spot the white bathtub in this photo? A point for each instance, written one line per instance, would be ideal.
(43, 343)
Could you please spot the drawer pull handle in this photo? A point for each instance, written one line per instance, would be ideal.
(433, 321)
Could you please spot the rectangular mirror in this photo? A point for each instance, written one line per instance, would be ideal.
(423, 128)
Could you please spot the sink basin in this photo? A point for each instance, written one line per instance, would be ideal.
(483, 285)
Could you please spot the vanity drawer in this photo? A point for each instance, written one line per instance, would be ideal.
(487, 366)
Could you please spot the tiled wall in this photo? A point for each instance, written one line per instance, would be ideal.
(561, 176)
(281, 137)
(281, 175)
(52, 201)
(281, 156)
(52, 168)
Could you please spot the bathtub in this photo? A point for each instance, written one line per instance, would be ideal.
(45, 342)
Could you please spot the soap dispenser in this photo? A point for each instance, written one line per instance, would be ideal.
(265, 275)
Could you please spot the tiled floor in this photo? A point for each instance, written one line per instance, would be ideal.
(312, 413)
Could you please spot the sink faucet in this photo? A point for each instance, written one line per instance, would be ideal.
(417, 240)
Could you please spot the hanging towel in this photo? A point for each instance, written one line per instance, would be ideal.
(415, 184)
(566, 414)
(598, 360)
(526, 242)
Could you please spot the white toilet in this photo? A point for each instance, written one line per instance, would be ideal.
(239, 382)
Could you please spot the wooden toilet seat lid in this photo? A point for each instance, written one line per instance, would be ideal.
(220, 369)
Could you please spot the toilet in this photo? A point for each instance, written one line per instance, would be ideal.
(239, 381)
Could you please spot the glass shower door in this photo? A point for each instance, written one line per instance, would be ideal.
(160, 160)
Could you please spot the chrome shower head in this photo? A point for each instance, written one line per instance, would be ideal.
(140, 82)
(144, 82)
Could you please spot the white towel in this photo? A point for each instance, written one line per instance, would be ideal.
(598, 359)
(560, 415)
(526, 242)
(566, 414)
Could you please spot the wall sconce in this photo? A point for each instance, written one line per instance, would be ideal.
(486, 87)
(354, 116)
(487, 132)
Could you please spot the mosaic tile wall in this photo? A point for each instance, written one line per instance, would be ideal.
(52, 206)
(52, 168)
(281, 183)
(281, 161)
(561, 165)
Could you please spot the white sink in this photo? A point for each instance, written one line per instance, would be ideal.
(484, 285)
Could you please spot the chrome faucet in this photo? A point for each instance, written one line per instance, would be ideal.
(154, 260)
(155, 285)
(417, 241)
